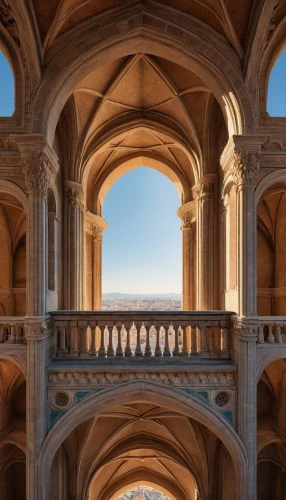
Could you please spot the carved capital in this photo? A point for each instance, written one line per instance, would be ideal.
(38, 171)
(74, 194)
(95, 225)
(203, 190)
(244, 166)
(187, 214)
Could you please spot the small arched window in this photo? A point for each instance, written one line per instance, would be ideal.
(7, 87)
(276, 101)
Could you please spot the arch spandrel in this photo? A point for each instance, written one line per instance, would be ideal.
(145, 392)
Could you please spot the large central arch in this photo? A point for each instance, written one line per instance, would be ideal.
(143, 392)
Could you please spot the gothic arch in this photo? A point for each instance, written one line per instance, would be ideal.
(229, 90)
(267, 181)
(147, 392)
(124, 165)
(11, 188)
(137, 482)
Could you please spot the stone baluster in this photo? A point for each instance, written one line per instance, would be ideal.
(74, 347)
(270, 336)
(224, 344)
(158, 351)
(127, 351)
(148, 351)
(101, 350)
(203, 194)
(203, 351)
(195, 331)
(12, 336)
(184, 345)
(138, 351)
(278, 336)
(62, 338)
(166, 351)
(39, 172)
(19, 334)
(2, 334)
(93, 331)
(260, 336)
(119, 351)
(84, 348)
(176, 351)
(110, 350)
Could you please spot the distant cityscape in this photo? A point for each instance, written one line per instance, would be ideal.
(140, 302)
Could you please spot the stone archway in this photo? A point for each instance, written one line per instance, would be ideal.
(153, 394)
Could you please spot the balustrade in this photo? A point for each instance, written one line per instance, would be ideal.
(12, 330)
(271, 330)
(142, 335)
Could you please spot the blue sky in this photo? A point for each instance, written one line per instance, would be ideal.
(276, 104)
(6, 87)
(142, 246)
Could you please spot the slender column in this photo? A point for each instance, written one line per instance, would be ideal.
(95, 225)
(244, 168)
(38, 346)
(187, 213)
(38, 174)
(74, 246)
(203, 193)
(244, 352)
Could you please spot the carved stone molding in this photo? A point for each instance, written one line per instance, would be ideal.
(244, 166)
(204, 189)
(108, 378)
(9, 145)
(38, 171)
(95, 225)
(187, 214)
(74, 194)
(11, 172)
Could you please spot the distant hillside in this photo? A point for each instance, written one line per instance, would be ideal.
(135, 296)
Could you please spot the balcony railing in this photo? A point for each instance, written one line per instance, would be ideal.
(271, 330)
(12, 330)
(142, 334)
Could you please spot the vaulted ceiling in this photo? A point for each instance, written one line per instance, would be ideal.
(230, 18)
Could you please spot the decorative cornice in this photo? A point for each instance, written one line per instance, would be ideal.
(95, 225)
(38, 171)
(177, 379)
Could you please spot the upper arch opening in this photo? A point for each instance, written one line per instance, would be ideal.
(276, 98)
(7, 87)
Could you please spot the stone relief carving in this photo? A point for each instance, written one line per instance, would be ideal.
(75, 196)
(244, 166)
(38, 171)
(203, 191)
(173, 379)
(7, 144)
(8, 21)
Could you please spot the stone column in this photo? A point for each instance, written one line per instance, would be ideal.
(95, 225)
(38, 348)
(244, 169)
(38, 173)
(187, 214)
(74, 246)
(244, 354)
(203, 194)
